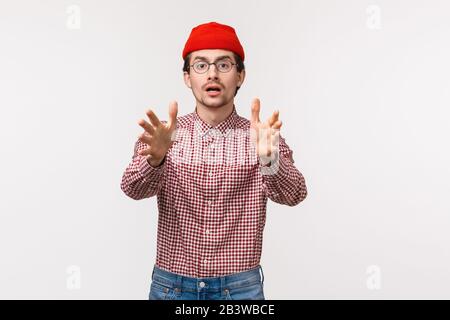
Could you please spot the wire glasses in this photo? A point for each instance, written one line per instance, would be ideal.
(222, 65)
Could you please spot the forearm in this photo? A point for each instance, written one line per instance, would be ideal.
(141, 180)
(283, 182)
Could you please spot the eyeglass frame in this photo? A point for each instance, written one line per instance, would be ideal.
(214, 63)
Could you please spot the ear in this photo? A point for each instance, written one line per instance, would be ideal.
(241, 77)
(187, 79)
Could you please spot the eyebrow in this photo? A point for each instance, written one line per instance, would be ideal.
(206, 59)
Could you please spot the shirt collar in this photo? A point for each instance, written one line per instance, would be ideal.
(223, 128)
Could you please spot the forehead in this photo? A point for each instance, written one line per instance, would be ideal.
(211, 54)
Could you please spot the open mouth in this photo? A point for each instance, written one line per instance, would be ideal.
(213, 91)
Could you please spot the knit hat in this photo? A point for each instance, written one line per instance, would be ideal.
(213, 35)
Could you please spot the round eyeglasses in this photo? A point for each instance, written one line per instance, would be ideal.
(223, 66)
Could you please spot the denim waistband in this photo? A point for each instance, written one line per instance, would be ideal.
(232, 281)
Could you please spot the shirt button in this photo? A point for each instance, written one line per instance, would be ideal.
(201, 284)
(210, 202)
(207, 231)
(205, 261)
(211, 173)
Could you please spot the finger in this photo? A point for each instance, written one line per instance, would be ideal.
(277, 124)
(146, 126)
(145, 138)
(145, 152)
(256, 106)
(273, 118)
(173, 111)
(153, 118)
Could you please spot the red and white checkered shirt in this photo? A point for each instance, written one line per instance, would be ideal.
(212, 196)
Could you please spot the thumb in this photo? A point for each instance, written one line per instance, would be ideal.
(255, 111)
(173, 111)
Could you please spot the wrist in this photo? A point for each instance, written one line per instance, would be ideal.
(155, 162)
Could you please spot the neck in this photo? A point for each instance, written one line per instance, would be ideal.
(213, 116)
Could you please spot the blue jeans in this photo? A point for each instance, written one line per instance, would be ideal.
(247, 285)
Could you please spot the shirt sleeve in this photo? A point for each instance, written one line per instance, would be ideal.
(283, 183)
(141, 180)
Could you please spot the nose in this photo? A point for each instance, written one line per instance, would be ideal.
(212, 72)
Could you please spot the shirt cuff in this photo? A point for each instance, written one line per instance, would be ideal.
(146, 169)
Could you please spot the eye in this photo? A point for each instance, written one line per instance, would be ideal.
(223, 65)
(200, 65)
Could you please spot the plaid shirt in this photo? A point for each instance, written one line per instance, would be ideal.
(212, 196)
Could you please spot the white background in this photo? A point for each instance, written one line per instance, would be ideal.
(363, 92)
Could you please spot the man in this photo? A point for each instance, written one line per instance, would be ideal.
(212, 172)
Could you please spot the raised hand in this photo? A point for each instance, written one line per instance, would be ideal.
(157, 135)
(265, 135)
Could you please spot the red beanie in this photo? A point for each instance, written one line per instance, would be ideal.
(213, 35)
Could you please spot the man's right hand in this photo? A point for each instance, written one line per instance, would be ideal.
(158, 136)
